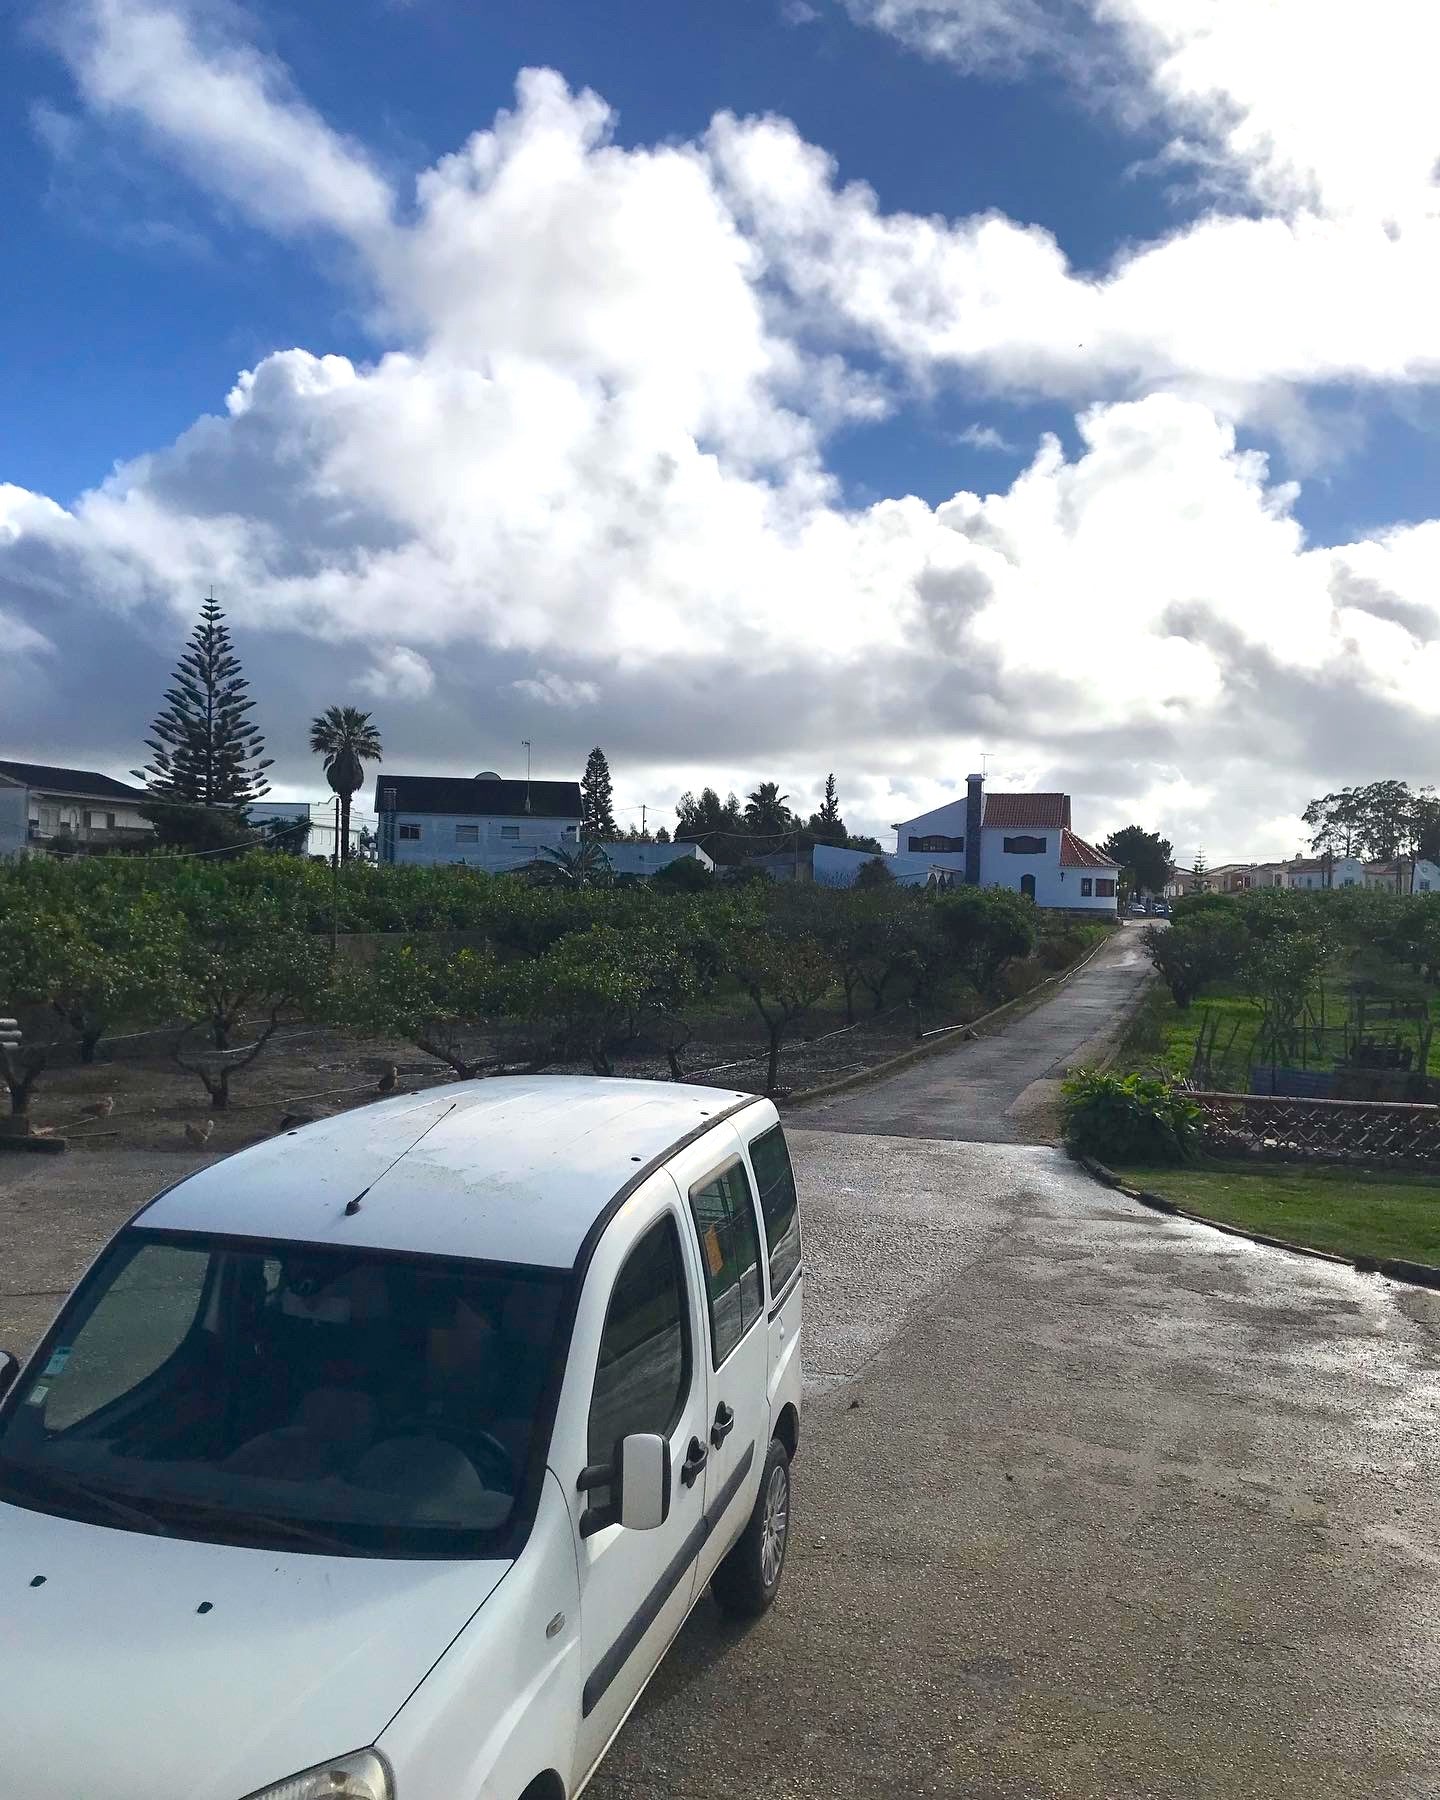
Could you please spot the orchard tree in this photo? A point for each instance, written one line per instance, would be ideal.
(206, 750)
(246, 961)
(784, 978)
(446, 1003)
(597, 814)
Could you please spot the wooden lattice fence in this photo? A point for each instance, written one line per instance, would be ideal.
(1388, 1134)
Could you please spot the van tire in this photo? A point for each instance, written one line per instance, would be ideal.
(748, 1579)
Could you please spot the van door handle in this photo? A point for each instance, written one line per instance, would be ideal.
(724, 1424)
(696, 1458)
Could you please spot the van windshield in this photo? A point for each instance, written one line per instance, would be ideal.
(292, 1396)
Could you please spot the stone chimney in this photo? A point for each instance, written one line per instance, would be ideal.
(974, 815)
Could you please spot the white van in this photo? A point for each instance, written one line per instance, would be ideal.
(383, 1461)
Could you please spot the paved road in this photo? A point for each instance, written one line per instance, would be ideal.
(1123, 1507)
(1002, 1088)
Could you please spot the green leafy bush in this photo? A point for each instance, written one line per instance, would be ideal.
(1129, 1118)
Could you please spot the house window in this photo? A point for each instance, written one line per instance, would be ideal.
(1087, 887)
(936, 844)
(1424, 885)
(570, 830)
(1025, 846)
(410, 833)
(467, 834)
(99, 821)
(1104, 888)
(511, 833)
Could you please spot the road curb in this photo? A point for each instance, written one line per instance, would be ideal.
(1394, 1268)
(943, 1040)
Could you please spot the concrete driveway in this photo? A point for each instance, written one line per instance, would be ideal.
(1002, 1088)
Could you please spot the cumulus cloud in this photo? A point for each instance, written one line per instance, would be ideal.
(551, 689)
(398, 674)
(984, 437)
(585, 471)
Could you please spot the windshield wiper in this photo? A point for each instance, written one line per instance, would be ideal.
(134, 1516)
(277, 1523)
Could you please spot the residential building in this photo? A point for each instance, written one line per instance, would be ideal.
(45, 809)
(1242, 878)
(1020, 841)
(480, 821)
(312, 823)
(1313, 872)
(627, 857)
(1404, 877)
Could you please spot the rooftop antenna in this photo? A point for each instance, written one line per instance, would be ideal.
(985, 756)
(525, 746)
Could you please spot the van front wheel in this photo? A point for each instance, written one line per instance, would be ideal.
(747, 1581)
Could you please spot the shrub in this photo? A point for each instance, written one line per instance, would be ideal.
(1129, 1118)
(1198, 950)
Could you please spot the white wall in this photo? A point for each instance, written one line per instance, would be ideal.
(14, 816)
(495, 850)
(645, 859)
(1054, 886)
(944, 821)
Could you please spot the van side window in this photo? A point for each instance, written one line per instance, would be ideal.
(770, 1160)
(730, 1251)
(642, 1377)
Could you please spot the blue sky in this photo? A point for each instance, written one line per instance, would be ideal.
(1187, 260)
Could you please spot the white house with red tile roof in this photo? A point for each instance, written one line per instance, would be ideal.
(1020, 841)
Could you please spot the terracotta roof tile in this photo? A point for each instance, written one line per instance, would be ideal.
(1075, 853)
(1027, 812)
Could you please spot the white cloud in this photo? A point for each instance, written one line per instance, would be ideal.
(1311, 104)
(984, 437)
(601, 451)
(398, 673)
(551, 689)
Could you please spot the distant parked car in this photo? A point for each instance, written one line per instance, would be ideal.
(1161, 909)
(1137, 908)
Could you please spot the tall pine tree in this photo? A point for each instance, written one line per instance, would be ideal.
(597, 817)
(826, 826)
(205, 750)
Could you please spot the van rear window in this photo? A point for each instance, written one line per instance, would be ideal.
(770, 1159)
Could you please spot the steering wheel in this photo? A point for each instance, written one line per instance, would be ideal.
(489, 1455)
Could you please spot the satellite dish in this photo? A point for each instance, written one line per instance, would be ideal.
(487, 775)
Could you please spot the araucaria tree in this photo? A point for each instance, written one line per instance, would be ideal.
(597, 815)
(347, 739)
(206, 751)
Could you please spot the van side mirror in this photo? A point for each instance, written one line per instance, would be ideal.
(643, 1481)
(9, 1369)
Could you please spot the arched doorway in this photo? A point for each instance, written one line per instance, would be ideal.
(1027, 885)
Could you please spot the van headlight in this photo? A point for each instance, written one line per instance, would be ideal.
(359, 1777)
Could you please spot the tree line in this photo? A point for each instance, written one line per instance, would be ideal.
(221, 954)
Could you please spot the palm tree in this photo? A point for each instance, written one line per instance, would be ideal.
(586, 865)
(766, 813)
(347, 740)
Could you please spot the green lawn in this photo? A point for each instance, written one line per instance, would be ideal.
(1349, 1210)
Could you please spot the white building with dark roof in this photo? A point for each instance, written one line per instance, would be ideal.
(480, 821)
(46, 809)
(1020, 841)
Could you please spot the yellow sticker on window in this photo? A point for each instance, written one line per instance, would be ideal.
(714, 1255)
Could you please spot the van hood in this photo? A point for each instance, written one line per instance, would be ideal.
(117, 1687)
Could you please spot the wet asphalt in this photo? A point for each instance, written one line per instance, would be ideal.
(1090, 1502)
(1003, 1087)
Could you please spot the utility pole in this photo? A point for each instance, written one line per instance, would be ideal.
(335, 888)
(525, 746)
(642, 818)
